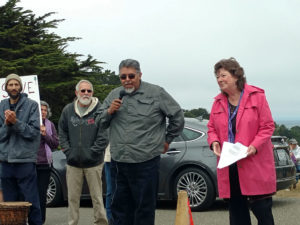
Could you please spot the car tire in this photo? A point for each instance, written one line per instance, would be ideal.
(54, 193)
(199, 187)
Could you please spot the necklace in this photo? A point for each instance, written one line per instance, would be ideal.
(232, 108)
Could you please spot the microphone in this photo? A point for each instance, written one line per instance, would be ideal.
(122, 94)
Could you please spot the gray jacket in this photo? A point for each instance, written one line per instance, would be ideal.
(20, 142)
(81, 138)
(137, 131)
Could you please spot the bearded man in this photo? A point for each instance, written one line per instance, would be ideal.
(83, 142)
(19, 143)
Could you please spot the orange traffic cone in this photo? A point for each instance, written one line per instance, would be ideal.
(183, 212)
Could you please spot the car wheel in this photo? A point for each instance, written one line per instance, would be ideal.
(54, 191)
(198, 186)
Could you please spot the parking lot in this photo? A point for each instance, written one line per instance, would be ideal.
(285, 211)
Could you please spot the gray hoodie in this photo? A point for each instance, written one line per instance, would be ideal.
(81, 138)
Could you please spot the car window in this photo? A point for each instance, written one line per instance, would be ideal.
(178, 139)
(279, 143)
(282, 157)
(278, 139)
(189, 134)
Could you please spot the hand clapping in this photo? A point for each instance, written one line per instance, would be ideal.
(10, 117)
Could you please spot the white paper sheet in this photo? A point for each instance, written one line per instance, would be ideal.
(231, 153)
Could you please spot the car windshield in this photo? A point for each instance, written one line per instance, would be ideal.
(279, 141)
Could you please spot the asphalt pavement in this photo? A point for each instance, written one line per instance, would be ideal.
(285, 210)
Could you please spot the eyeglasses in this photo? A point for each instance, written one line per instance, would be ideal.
(130, 76)
(86, 90)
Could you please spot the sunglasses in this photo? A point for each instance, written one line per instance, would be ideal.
(130, 76)
(86, 90)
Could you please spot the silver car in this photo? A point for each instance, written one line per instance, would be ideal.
(188, 165)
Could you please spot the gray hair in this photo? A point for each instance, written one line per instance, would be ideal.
(83, 81)
(49, 113)
(130, 63)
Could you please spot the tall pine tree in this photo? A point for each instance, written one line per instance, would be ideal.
(28, 46)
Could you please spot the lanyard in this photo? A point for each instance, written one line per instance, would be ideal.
(230, 117)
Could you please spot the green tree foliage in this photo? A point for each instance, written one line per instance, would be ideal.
(193, 113)
(282, 130)
(295, 133)
(28, 46)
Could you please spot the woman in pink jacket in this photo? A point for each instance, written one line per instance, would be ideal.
(240, 113)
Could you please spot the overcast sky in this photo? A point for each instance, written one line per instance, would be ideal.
(177, 43)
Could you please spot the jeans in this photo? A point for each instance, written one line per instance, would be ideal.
(43, 177)
(1, 195)
(134, 192)
(108, 190)
(239, 211)
(239, 204)
(298, 171)
(19, 182)
(0, 177)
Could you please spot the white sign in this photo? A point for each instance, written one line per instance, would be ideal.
(30, 87)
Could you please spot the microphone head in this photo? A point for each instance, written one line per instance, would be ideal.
(122, 94)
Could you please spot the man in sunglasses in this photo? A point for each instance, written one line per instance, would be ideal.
(135, 114)
(83, 142)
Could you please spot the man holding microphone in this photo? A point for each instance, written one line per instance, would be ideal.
(136, 117)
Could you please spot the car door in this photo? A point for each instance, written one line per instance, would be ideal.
(169, 160)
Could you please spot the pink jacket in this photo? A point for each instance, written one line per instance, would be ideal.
(254, 126)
